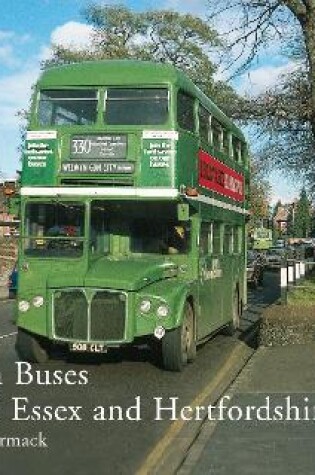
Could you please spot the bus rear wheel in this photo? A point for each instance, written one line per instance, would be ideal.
(179, 345)
(30, 348)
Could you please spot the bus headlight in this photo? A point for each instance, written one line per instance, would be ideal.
(162, 311)
(145, 306)
(38, 301)
(24, 306)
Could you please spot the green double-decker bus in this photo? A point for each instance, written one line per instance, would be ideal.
(133, 211)
(262, 239)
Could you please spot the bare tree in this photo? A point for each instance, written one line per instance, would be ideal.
(264, 20)
(287, 113)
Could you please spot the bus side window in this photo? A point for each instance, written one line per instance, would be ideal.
(228, 239)
(237, 241)
(216, 238)
(204, 125)
(205, 238)
(237, 150)
(226, 141)
(217, 134)
(185, 111)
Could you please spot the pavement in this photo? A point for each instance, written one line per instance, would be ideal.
(4, 291)
(4, 278)
(5, 271)
(264, 423)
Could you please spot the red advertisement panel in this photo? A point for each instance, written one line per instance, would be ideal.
(216, 176)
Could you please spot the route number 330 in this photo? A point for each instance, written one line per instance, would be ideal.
(81, 147)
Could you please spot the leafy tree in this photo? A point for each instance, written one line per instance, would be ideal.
(290, 221)
(259, 197)
(302, 218)
(313, 223)
(276, 207)
(163, 36)
(276, 231)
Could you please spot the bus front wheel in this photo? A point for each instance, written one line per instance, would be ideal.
(30, 348)
(179, 345)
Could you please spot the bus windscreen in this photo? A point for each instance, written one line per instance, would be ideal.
(67, 107)
(54, 229)
(136, 106)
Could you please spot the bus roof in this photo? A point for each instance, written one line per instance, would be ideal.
(128, 72)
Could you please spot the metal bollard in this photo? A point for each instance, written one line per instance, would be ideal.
(284, 282)
(290, 273)
(297, 271)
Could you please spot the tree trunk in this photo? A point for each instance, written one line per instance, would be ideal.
(309, 35)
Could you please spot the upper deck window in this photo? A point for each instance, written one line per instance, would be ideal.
(185, 111)
(67, 107)
(146, 106)
(236, 149)
(217, 134)
(204, 125)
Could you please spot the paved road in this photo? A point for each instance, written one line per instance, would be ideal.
(104, 446)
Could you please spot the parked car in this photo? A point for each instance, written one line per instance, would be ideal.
(280, 243)
(274, 257)
(305, 251)
(255, 269)
(12, 283)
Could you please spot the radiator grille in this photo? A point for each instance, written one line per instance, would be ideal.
(71, 315)
(107, 316)
(99, 318)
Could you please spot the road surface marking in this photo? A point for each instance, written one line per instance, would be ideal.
(158, 451)
(6, 336)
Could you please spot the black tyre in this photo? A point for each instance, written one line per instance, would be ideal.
(30, 347)
(191, 342)
(179, 345)
(234, 324)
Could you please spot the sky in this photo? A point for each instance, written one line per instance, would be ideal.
(29, 27)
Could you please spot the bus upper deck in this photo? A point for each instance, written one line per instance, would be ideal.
(131, 124)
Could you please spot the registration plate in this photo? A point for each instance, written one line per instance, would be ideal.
(88, 348)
